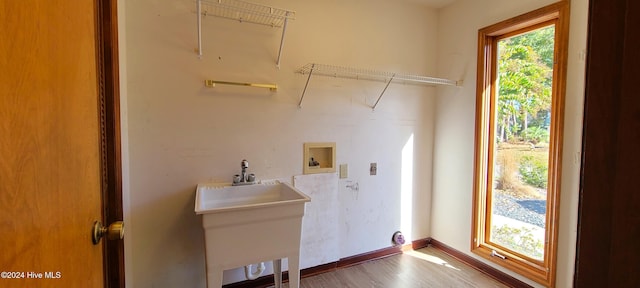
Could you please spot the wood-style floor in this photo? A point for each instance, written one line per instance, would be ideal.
(427, 267)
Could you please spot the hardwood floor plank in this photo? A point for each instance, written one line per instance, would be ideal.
(427, 267)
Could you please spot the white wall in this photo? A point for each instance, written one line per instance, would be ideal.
(458, 26)
(179, 134)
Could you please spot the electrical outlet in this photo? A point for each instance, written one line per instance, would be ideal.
(373, 169)
(344, 171)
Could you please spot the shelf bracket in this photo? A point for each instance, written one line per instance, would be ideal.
(199, 12)
(305, 86)
(284, 30)
(384, 90)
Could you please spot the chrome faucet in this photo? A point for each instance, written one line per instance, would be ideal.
(244, 165)
(244, 178)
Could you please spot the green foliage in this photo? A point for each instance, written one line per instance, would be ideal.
(519, 239)
(533, 171)
(542, 119)
(525, 74)
(542, 41)
(535, 135)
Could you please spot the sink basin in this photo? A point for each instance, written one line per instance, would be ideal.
(220, 197)
(249, 224)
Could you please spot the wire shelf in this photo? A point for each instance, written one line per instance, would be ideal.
(373, 75)
(246, 12)
(368, 74)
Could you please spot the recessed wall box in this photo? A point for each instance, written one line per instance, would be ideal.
(319, 158)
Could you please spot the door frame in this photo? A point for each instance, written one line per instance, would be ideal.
(110, 143)
(606, 248)
(590, 230)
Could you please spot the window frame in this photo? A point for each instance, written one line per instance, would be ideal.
(542, 272)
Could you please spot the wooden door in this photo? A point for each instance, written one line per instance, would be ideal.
(607, 252)
(49, 145)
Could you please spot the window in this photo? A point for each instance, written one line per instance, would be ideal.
(520, 102)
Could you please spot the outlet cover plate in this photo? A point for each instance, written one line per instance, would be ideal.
(344, 171)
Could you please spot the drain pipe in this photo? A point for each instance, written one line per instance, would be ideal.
(253, 276)
(397, 239)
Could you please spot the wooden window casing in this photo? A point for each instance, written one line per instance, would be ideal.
(557, 14)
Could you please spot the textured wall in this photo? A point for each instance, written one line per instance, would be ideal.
(178, 133)
(455, 119)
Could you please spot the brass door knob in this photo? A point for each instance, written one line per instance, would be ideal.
(115, 231)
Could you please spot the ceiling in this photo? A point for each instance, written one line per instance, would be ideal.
(433, 3)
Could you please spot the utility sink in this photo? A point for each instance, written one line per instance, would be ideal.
(249, 224)
(222, 197)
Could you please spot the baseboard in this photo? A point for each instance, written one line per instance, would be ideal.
(369, 256)
(479, 265)
(266, 281)
(420, 243)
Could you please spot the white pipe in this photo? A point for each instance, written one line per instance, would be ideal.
(253, 276)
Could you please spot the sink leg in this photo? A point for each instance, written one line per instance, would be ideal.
(214, 279)
(294, 271)
(277, 273)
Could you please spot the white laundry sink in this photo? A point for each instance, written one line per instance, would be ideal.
(249, 224)
(222, 197)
